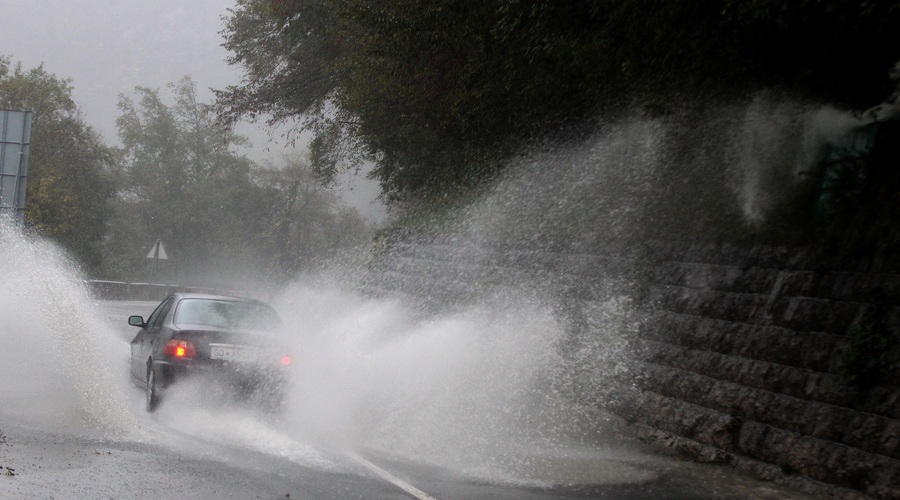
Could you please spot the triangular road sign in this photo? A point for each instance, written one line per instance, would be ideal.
(158, 251)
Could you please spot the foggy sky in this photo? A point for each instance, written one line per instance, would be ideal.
(107, 47)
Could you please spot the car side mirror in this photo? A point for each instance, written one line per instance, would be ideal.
(136, 321)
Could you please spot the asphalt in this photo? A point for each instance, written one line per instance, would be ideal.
(71, 448)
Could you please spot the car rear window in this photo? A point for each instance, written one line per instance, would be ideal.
(226, 314)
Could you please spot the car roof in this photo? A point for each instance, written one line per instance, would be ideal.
(210, 296)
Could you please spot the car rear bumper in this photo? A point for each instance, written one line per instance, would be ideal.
(232, 374)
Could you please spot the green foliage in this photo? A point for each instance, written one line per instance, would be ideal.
(847, 201)
(221, 218)
(439, 93)
(865, 196)
(180, 182)
(69, 172)
(305, 222)
(177, 178)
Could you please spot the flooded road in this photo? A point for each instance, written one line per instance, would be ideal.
(59, 448)
(384, 402)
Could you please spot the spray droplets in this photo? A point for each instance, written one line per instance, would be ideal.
(57, 360)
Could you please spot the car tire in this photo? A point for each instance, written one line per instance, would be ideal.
(153, 395)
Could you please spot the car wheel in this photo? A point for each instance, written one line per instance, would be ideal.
(152, 390)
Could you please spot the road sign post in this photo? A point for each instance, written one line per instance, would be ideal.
(156, 253)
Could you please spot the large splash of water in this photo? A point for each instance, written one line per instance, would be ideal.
(60, 364)
(474, 385)
(705, 174)
(478, 387)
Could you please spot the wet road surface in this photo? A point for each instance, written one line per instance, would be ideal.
(161, 459)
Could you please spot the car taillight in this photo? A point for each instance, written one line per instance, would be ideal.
(285, 360)
(181, 349)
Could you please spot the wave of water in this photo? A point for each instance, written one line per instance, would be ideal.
(479, 388)
(61, 366)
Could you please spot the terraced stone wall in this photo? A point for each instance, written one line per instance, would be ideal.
(749, 356)
(782, 362)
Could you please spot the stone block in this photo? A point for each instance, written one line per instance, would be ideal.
(822, 460)
(800, 284)
(810, 350)
(755, 280)
(705, 303)
(819, 315)
(871, 433)
(685, 419)
(859, 287)
(772, 257)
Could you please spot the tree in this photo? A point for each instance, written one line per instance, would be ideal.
(184, 184)
(223, 219)
(69, 175)
(307, 224)
(439, 92)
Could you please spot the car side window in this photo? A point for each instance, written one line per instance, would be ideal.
(156, 318)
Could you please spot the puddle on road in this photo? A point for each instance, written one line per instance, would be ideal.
(465, 390)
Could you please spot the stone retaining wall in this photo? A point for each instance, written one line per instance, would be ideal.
(749, 353)
(742, 353)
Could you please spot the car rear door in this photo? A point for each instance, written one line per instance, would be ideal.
(147, 338)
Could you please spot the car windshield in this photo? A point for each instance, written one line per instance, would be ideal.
(226, 314)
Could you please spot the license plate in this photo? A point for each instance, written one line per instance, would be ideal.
(232, 353)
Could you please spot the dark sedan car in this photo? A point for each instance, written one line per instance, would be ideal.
(235, 342)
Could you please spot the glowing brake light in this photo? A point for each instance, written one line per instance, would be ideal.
(181, 349)
(286, 360)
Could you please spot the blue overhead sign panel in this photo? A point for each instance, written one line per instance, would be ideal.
(15, 136)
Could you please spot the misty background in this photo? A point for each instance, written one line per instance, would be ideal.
(107, 47)
(726, 125)
(535, 135)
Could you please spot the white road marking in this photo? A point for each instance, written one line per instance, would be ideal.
(387, 476)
